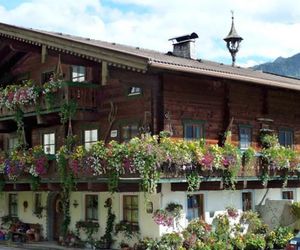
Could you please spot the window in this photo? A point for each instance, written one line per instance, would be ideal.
(287, 195)
(90, 138)
(130, 209)
(245, 137)
(193, 130)
(46, 76)
(247, 201)
(78, 73)
(134, 91)
(286, 137)
(91, 207)
(129, 131)
(49, 143)
(13, 205)
(195, 206)
(13, 142)
(37, 203)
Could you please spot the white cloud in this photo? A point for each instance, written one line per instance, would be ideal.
(269, 27)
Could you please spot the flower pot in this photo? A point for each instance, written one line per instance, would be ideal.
(37, 237)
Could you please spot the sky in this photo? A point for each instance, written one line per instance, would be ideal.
(270, 28)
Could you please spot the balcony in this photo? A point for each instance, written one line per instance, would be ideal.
(86, 96)
(184, 164)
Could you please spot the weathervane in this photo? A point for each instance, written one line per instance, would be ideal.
(233, 40)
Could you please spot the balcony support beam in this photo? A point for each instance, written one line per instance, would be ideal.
(104, 73)
(43, 54)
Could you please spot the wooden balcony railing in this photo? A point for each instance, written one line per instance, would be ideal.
(85, 95)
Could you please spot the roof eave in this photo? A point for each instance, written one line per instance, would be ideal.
(76, 48)
(225, 75)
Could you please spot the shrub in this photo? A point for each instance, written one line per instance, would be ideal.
(238, 242)
(251, 218)
(222, 226)
(255, 242)
(197, 227)
(170, 241)
(282, 236)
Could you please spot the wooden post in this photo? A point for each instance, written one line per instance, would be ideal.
(104, 73)
(43, 54)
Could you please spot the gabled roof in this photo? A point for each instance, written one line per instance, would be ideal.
(139, 59)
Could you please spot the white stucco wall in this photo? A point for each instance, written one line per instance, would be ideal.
(215, 202)
(148, 228)
(25, 214)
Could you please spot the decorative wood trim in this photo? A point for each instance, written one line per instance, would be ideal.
(87, 51)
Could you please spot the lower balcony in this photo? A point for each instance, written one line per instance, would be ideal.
(186, 165)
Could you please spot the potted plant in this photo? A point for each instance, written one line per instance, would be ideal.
(232, 212)
(37, 232)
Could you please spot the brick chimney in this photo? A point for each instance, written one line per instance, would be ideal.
(184, 46)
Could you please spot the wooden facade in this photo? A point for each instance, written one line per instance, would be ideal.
(169, 96)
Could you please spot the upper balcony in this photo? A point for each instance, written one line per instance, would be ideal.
(42, 101)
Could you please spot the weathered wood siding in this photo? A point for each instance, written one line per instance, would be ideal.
(196, 98)
(216, 101)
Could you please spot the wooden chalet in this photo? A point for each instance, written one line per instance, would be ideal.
(120, 91)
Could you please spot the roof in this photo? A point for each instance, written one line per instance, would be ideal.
(142, 59)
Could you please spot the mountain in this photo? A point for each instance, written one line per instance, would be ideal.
(282, 66)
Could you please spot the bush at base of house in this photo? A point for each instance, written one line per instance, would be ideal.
(221, 235)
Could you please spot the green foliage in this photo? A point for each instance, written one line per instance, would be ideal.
(282, 236)
(175, 209)
(107, 238)
(193, 180)
(249, 157)
(252, 218)
(197, 227)
(68, 111)
(170, 241)
(295, 206)
(89, 227)
(68, 185)
(222, 227)
(128, 230)
(238, 242)
(269, 140)
(255, 241)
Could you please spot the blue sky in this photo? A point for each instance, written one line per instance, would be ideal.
(270, 28)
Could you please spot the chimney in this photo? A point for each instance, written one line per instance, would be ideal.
(184, 46)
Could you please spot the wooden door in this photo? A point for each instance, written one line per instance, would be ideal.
(58, 216)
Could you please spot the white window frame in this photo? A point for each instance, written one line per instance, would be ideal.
(8, 204)
(77, 75)
(49, 143)
(88, 142)
(289, 190)
(134, 90)
(205, 197)
(15, 143)
(121, 204)
(248, 127)
(286, 132)
(252, 195)
(84, 207)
